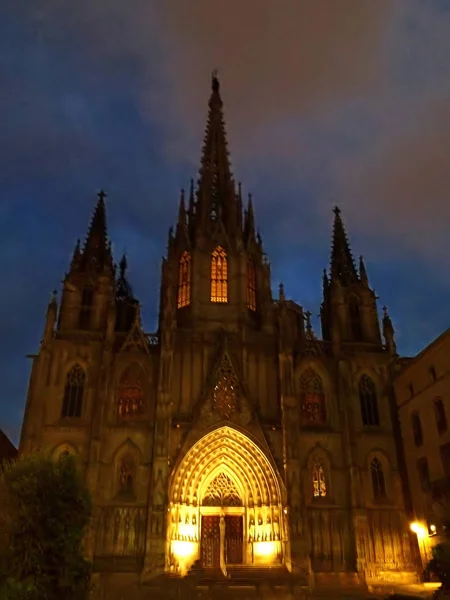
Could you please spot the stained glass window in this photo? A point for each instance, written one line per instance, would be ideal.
(368, 401)
(312, 397)
(219, 275)
(319, 481)
(378, 481)
(184, 280)
(131, 392)
(251, 285)
(73, 392)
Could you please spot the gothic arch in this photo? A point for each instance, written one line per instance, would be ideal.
(126, 462)
(226, 449)
(318, 456)
(128, 446)
(313, 395)
(377, 455)
(74, 391)
(62, 448)
(131, 390)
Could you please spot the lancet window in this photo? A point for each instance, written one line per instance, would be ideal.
(368, 400)
(251, 285)
(222, 492)
(378, 480)
(127, 475)
(319, 480)
(219, 275)
(184, 280)
(416, 425)
(312, 398)
(131, 393)
(74, 392)
(87, 302)
(355, 319)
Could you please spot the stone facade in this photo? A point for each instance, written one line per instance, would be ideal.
(422, 391)
(233, 436)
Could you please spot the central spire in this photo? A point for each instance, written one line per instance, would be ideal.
(216, 193)
(342, 264)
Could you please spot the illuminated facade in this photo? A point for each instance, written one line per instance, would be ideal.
(233, 436)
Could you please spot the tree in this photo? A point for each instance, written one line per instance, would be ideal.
(45, 509)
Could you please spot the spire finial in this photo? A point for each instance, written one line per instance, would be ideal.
(281, 292)
(102, 195)
(215, 84)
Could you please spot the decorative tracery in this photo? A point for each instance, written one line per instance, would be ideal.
(251, 285)
(312, 397)
(184, 280)
(222, 492)
(355, 319)
(368, 400)
(319, 480)
(378, 480)
(74, 392)
(131, 393)
(87, 303)
(219, 275)
(225, 391)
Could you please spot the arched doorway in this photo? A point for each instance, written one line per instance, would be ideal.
(225, 505)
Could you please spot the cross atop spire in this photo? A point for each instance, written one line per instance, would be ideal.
(342, 265)
(216, 195)
(97, 250)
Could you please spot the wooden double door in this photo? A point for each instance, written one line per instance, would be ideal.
(210, 540)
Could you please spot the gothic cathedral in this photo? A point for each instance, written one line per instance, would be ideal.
(233, 437)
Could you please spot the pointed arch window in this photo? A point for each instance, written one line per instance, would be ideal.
(320, 489)
(87, 303)
(355, 319)
(219, 275)
(184, 280)
(378, 479)
(368, 400)
(312, 398)
(440, 416)
(131, 393)
(127, 475)
(251, 285)
(74, 392)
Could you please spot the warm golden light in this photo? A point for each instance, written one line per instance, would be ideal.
(418, 529)
(182, 549)
(219, 275)
(184, 280)
(433, 528)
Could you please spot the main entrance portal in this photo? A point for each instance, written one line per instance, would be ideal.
(225, 506)
(210, 542)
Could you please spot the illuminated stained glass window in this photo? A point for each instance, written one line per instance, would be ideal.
(312, 397)
(319, 481)
(73, 392)
(219, 275)
(127, 473)
(378, 481)
(184, 280)
(251, 285)
(131, 392)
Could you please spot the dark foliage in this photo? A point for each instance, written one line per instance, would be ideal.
(45, 509)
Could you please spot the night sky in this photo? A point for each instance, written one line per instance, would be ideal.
(326, 102)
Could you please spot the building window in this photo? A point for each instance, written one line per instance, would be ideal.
(219, 275)
(319, 481)
(312, 398)
(73, 392)
(445, 458)
(433, 374)
(87, 302)
(355, 319)
(416, 425)
(251, 285)
(440, 415)
(411, 390)
(184, 280)
(131, 392)
(424, 474)
(127, 474)
(368, 401)
(378, 481)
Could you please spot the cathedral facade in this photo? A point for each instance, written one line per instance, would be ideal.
(233, 436)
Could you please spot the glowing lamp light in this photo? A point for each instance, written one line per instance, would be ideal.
(183, 549)
(418, 530)
(265, 549)
(433, 528)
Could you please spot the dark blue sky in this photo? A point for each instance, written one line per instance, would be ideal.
(324, 104)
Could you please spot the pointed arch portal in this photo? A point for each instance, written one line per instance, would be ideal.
(225, 504)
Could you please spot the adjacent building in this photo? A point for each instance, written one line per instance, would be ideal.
(422, 391)
(8, 451)
(234, 435)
